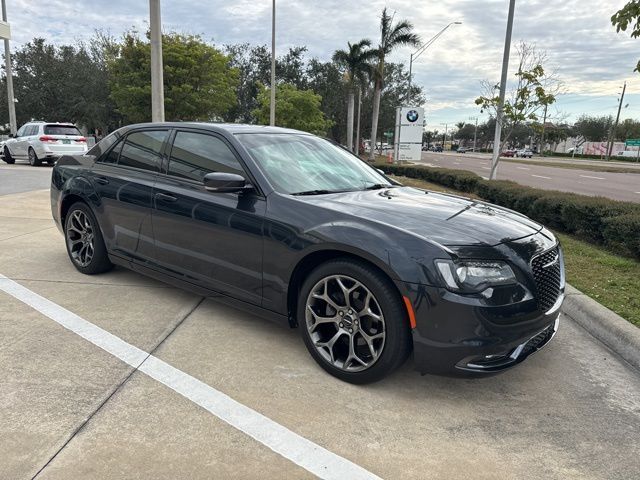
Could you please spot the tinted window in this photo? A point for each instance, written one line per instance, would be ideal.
(112, 156)
(61, 130)
(195, 154)
(104, 145)
(142, 150)
(21, 131)
(31, 130)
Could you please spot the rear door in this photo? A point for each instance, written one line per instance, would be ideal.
(213, 239)
(123, 179)
(19, 146)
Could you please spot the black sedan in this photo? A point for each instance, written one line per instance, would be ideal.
(299, 230)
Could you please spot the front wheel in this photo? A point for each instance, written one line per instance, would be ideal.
(85, 245)
(7, 157)
(352, 321)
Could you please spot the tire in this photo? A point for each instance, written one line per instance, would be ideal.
(34, 161)
(7, 157)
(51, 161)
(83, 238)
(386, 325)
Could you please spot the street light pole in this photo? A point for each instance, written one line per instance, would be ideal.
(157, 82)
(503, 87)
(615, 126)
(272, 110)
(13, 127)
(419, 52)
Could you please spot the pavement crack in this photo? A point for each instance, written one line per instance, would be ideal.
(184, 315)
(28, 233)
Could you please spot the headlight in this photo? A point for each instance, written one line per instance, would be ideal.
(474, 276)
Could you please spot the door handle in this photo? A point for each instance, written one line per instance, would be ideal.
(165, 198)
(102, 180)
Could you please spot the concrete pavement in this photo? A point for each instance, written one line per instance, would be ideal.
(618, 186)
(21, 177)
(70, 410)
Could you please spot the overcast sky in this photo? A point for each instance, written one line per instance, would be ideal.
(591, 59)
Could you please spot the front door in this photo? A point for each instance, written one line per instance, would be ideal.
(213, 239)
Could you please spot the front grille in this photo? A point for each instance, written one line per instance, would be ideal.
(537, 342)
(547, 272)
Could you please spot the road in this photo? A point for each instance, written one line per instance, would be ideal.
(22, 177)
(618, 186)
(224, 391)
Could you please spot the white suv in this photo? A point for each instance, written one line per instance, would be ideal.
(42, 141)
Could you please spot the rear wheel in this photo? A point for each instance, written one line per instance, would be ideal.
(34, 161)
(7, 157)
(85, 245)
(353, 322)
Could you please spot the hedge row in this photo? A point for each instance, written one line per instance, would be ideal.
(580, 156)
(595, 219)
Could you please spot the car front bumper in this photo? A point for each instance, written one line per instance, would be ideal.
(458, 336)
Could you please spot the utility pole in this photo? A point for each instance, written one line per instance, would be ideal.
(544, 124)
(272, 110)
(356, 147)
(503, 87)
(157, 82)
(615, 126)
(475, 132)
(444, 136)
(13, 127)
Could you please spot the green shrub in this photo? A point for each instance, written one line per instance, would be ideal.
(598, 220)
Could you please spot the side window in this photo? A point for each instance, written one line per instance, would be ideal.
(195, 154)
(20, 132)
(142, 150)
(32, 130)
(112, 156)
(104, 145)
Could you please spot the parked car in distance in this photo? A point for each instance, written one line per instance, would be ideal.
(524, 153)
(43, 141)
(436, 148)
(301, 231)
(462, 150)
(508, 153)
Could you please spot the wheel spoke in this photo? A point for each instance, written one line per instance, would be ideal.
(319, 320)
(352, 354)
(369, 339)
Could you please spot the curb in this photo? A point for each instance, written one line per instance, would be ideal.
(610, 328)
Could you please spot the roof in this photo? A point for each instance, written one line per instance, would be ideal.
(232, 128)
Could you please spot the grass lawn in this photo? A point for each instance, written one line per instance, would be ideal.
(610, 279)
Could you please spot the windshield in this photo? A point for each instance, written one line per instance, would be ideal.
(297, 164)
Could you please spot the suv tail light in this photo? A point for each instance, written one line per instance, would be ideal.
(48, 139)
(81, 140)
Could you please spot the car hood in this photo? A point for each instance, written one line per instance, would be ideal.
(447, 219)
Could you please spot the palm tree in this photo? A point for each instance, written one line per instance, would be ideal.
(392, 36)
(355, 61)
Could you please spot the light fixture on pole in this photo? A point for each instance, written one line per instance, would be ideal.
(272, 108)
(420, 51)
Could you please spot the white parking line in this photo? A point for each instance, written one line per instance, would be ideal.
(486, 168)
(290, 445)
(540, 176)
(523, 168)
(588, 176)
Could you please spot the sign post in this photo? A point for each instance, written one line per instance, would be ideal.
(633, 142)
(409, 129)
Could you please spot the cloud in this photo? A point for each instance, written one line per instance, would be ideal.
(590, 57)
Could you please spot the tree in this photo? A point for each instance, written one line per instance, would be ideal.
(465, 131)
(625, 18)
(66, 83)
(535, 90)
(627, 129)
(199, 83)
(355, 61)
(299, 109)
(593, 129)
(392, 36)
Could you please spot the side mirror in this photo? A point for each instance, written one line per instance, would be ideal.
(222, 182)
(12, 135)
(381, 172)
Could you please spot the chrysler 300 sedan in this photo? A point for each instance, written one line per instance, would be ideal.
(298, 230)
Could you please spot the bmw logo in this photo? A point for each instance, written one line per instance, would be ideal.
(412, 116)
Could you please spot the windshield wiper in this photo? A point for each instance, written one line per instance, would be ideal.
(378, 186)
(315, 192)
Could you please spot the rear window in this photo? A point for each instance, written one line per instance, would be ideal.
(61, 130)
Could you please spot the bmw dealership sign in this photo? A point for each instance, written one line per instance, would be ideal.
(408, 135)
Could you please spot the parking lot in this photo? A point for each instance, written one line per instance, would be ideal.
(118, 375)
